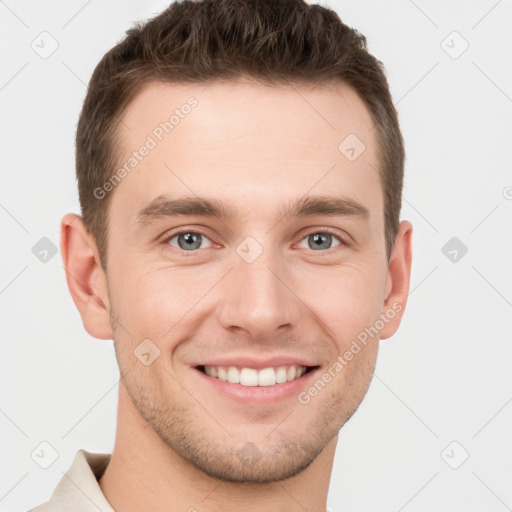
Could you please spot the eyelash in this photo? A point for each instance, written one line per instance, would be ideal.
(199, 232)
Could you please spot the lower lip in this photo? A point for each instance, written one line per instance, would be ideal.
(259, 395)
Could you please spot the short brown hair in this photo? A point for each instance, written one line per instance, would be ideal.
(274, 41)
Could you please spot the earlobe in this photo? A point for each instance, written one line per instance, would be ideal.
(398, 280)
(85, 277)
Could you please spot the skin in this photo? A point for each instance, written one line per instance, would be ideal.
(178, 441)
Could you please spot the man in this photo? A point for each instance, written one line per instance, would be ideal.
(240, 169)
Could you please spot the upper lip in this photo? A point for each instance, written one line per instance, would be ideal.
(256, 363)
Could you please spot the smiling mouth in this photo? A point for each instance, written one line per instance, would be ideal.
(251, 377)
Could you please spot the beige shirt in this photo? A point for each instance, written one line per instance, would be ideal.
(78, 490)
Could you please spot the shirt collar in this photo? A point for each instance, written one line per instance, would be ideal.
(78, 489)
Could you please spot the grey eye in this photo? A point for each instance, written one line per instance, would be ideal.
(188, 240)
(320, 240)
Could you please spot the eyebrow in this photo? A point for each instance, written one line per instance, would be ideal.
(164, 206)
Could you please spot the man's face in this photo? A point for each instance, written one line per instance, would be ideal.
(263, 288)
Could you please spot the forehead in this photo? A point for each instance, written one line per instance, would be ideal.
(248, 143)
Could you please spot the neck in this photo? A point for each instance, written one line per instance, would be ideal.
(146, 474)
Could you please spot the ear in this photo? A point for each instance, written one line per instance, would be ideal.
(86, 279)
(399, 275)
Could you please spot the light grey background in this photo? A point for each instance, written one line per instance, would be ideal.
(444, 377)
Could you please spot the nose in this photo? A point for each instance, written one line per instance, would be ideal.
(258, 297)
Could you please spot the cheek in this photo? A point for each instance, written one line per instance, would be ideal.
(346, 299)
(155, 303)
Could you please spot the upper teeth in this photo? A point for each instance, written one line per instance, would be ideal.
(252, 377)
